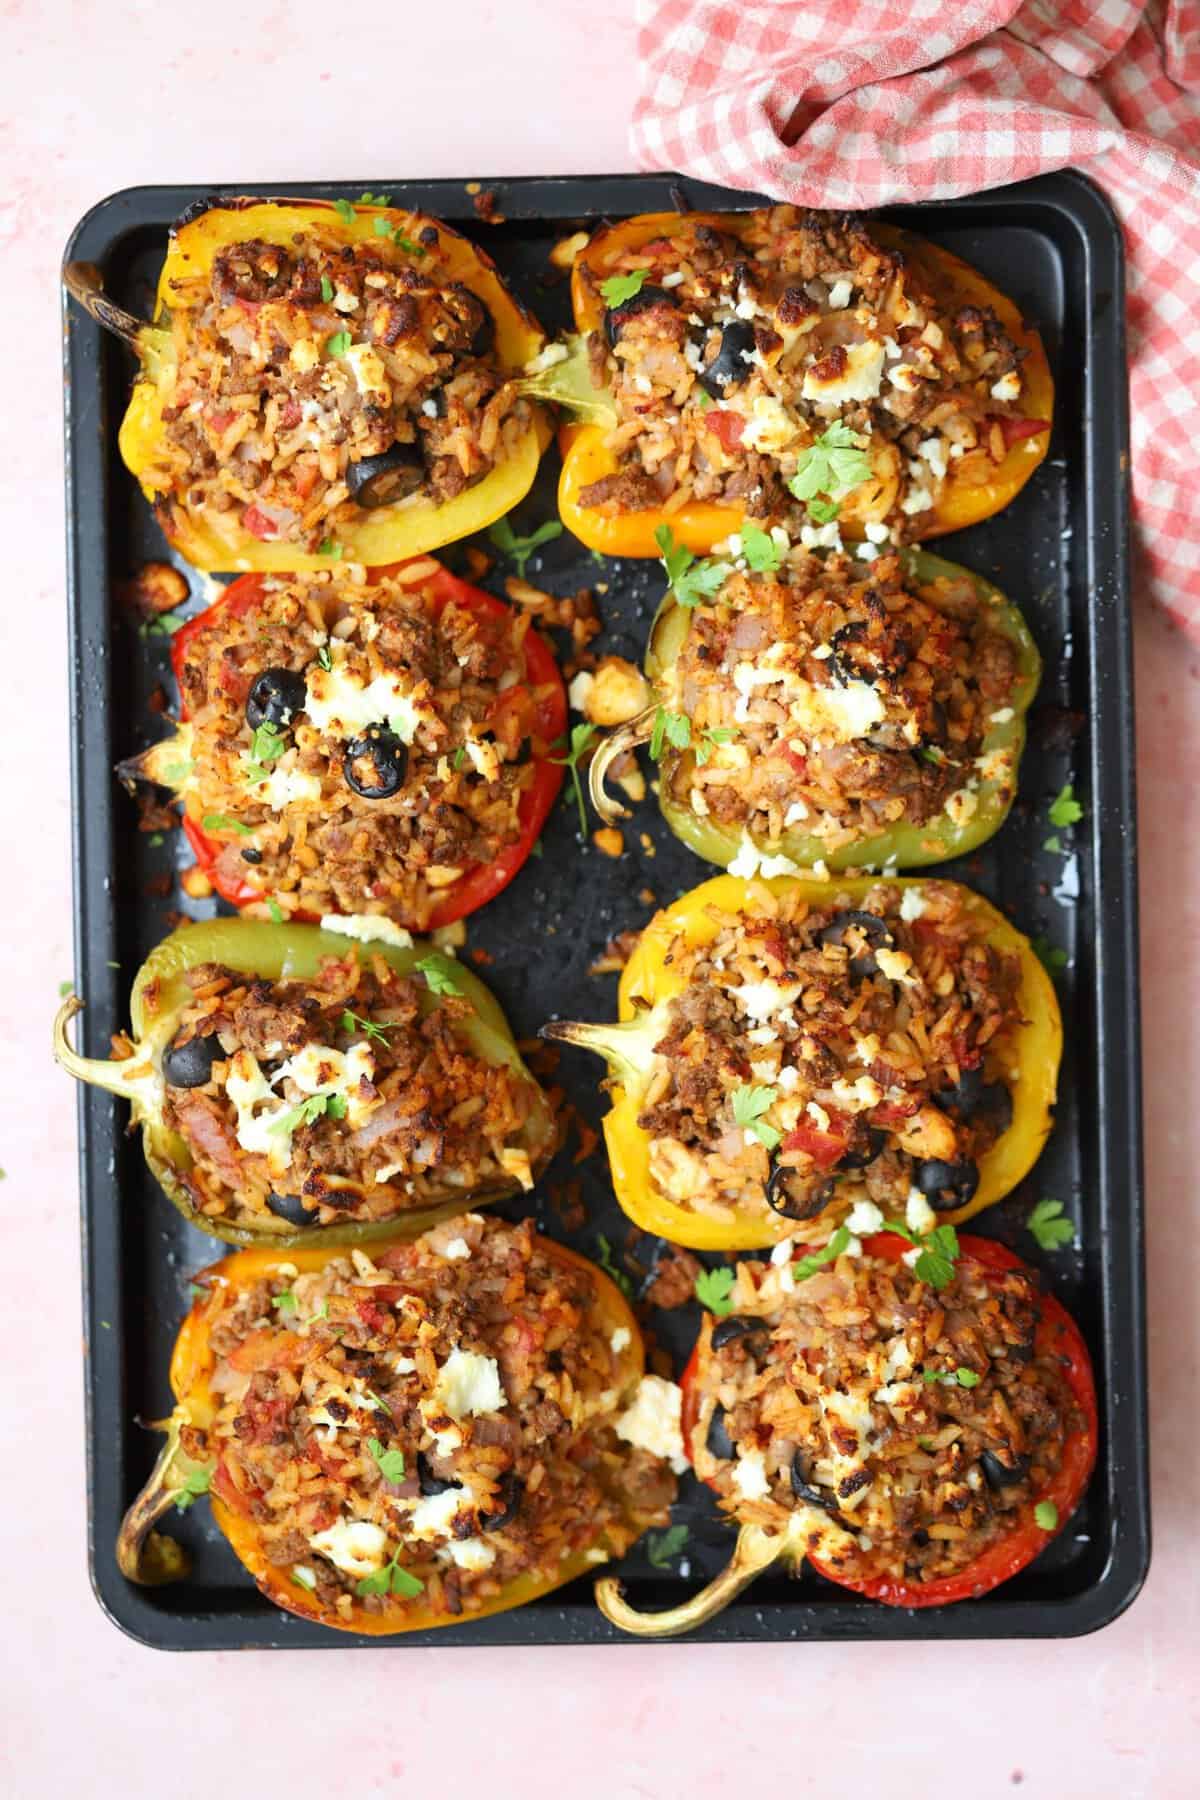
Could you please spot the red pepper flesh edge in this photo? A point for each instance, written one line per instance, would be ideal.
(1058, 1336)
(485, 880)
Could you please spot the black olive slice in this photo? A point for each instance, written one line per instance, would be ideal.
(275, 696)
(803, 1489)
(428, 1482)
(718, 1443)
(292, 1208)
(862, 1158)
(872, 928)
(729, 367)
(999, 1474)
(617, 317)
(972, 1097)
(874, 661)
(726, 1331)
(375, 763)
(798, 1201)
(382, 480)
(252, 856)
(512, 1492)
(190, 1065)
(946, 1185)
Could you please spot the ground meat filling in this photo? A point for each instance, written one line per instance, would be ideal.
(830, 701)
(296, 367)
(361, 747)
(857, 1052)
(897, 1427)
(446, 1413)
(338, 1098)
(736, 354)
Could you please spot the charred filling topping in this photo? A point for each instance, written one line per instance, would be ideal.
(857, 1052)
(790, 367)
(361, 747)
(319, 379)
(822, 701)
(356, 1095)
(417, 1433)
(898, 1429)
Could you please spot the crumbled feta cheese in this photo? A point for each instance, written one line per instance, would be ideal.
(818, 1115)
(469, 1384)
(581, 686)
(821, 537)
(1008, 387)
(917, 500)
(672, 280)
(913, 905)
(457, 1250)
(474, 1553)
(910, 1256)
(750, 1476)
(919, 1216)
(434, 1515)
(288, 786)
(370, 376)
(877, 533)
(761, 1000)
(860, 379)
(1001, 716)
(782, 1253)
(866, 552)
(788, 1079)
(863, 1218)
(620, 1339)
(653, 1420)
(751, 861)
(896, 965)
(962, 806)
(933, 451)
(339, 703)
(368, 928)
(770, 427)
(858, 1095)
(353, 1545)
(546, 359)
(839, 294)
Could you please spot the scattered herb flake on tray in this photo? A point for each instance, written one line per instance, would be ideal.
(1047, 1226)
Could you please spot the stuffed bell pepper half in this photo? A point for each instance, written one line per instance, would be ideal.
(916, 1419)
(804, 367)
(324, 380)
(793, 1054)
(409, 1439)
(360, 742)
(294, 1083)
(820, 710)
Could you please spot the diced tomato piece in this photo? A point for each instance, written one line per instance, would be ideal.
(258, 524)
(891, 1113)
(372, 1316)
(1015, 429)
(233, 1497)
(290, 414)
(304, 478)
(726, 427)
(826, 1148)
(219, 421)
(798, 762)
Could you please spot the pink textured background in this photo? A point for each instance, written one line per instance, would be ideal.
(112, 94)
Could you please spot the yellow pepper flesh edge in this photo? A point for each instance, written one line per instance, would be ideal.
(647, 980)
(386, 534)
(701, 525)
(192, 1366)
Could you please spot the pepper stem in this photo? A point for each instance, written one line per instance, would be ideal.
(85, 285)
(627, 1048)
(143, 1554)
(626, 737)
(134, 1079)
(753, 1552)
(568, 383)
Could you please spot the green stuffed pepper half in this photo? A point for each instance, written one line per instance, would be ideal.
(830, 710)
(298, 1083)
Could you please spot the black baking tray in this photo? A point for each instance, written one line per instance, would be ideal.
(1061, 550)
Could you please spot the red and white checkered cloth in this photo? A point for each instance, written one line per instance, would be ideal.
(852, 103)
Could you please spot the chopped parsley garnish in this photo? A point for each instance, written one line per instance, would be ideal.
(381, 227)
(690, 581)
(1046, 1515)
(438, 978)
(196, 1292)
(832, 465)
(713, 1290)
(304, 1577)
(669, 728)
(391, 1462)
(406, 244)
(176, 773)
(391, 1579)
(580, 744)
(929, 753)
(710, 737)
(1053, 843)
(326, 289)
(276, 911)
(964, 1377)
(266, 747)
(338, 343)
(620, 288)
(285, 1302)
(1052, 958)
(520, 549)
(760, 549)
(354, 1024)
(327, 547)
(459, 757)
(808, 1265)
(823, 511)
(1047, 1226)
(702, 397)
(604, 1256)
(374, 200)
(323, 657)
(662, 1547)
(156, 840)
(219, 822)
(344, 211)
(197, 1483)
(162, 625)
(939, 1251)
(309, 1111)
(65, 988)
(1064, 808)
(749, 1105)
